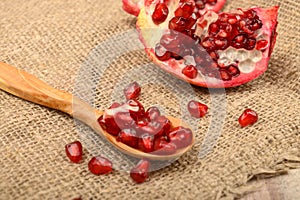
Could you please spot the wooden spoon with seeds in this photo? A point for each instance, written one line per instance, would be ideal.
(30, 88)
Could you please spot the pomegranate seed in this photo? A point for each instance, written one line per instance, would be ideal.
(190, 71)
(140, 173)
(249, 117)
(180, 136)
(142, 122)
(163, 147)
(239, 41)
(132, 91)
(99, 165)
(164, 125)
(250, 43)
(115, 105)
(136, 109)
(261, 44)
(197, 109)
(146, 143)
(177, 24)
(233, 70)
(190, 22)
(160, 13)
(124, 120)
(225, 76)
(161, 53)
(152, 113)
(108, 124)
(213, 28)
(128, 137)
(185, 10)
(74, 151)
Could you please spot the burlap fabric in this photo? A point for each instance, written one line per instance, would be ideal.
(52, 40)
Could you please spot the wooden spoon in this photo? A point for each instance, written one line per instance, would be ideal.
(30, 88)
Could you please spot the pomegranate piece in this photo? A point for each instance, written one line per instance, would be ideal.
(160, 13)
(132, 91)
(227, 49)
(128, 137)
(99, 165)
(164, 147)
(140, 173)
(152, 113)
(74, 151)
(190, 71)
(249, 117)
(197, 109)
(124, 120)
(180, 136)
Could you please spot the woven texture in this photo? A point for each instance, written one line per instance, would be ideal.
(61, 42)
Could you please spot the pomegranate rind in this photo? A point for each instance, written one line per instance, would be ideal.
(268, 17)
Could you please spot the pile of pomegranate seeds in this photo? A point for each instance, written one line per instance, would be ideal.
(148, 131)
(249, 117)
(197, 109)
(238, 31)
(74, 151)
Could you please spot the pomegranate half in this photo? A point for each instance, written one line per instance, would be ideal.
(206, 48)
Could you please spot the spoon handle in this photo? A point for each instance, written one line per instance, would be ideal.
(26, 86)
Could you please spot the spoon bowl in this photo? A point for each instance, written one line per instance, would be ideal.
(30, 88)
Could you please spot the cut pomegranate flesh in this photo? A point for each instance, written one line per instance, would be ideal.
(225, 49)
(146, 131)
(249, 117)
(132, 91)
(99, 165)
(197, 109)
(74, 151)
(140, 172)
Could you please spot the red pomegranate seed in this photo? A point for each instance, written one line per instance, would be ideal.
(152, 113)
(233, 70)
(239, 41)
(109, 124)
(132, 91)
(249, 117)
(180, 136)
(213, 28)
(250, 43)
(225, 76)
(197, 109)
(140, 173)
(185, 10)
(124, 120)
(115, 105)
(177, 24)
(136, 109)
(146, 143)
(74, 151)
(261, 44)
(163, 147)
(128, 137)
(190, 71)
(99, 165)
(164, 125)
(160, 13)
(161, 53)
